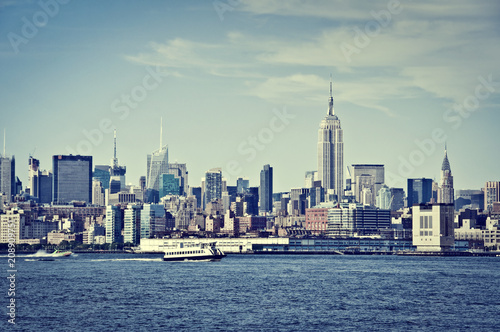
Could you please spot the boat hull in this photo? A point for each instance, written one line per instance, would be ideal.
(211, 258)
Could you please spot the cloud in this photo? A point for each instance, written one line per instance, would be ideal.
(438, 49)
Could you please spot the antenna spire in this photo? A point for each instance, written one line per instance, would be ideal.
(4, 142)
(330, 103)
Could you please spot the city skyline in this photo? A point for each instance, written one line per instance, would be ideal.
(396, 86)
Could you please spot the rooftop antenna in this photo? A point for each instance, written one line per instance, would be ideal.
(115, 161)
(4, 142)
(330, 104)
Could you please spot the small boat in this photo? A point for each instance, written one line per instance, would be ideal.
(59, 253)
(193, 251)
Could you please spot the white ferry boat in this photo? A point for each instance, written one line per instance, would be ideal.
(193, 251)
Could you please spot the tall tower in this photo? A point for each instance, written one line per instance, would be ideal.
(7, 175)
(266, 189)
(446, 192)
(157, 164)
(331, 152)
(117, 172)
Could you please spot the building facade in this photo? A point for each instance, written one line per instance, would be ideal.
(446, 193)
(419, 191)
(72, 179)
(113, 224)
(266, 189)
(331, 152)
(433, 227)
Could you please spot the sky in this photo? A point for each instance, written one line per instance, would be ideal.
(241, 84)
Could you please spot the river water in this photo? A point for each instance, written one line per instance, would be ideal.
(124, 292)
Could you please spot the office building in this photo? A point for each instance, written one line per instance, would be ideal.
(446, 192)
(331, 152)
(97, 192)
(114, 224)
(369, 176)
(350, 219)
(419, 191)
(8, 186)
(433, 227)
(397, 199)
(169, 185)
(132, 224)
(213, 185)
(384, 198)
(181, 174)
(103, 174)
(72, 179)
(157, 164)
(242, 185)
(266, 189)
(491, 194)
(153, 220)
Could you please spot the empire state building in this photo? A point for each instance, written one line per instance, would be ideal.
(331, 152)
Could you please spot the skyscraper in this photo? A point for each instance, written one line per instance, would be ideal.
(213, 185)
(367, 176)
(446, 193)
(113, 224)
(266, 189)
(132, 224)
(72, 179)
(419, 191)
(117, 172)
(7, 175)
(157, 164)
(331, 152)
(491, 194)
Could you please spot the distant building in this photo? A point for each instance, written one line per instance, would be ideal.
(242, 185)
(317, 220)
(103, 174)
(7, 177)
(97, 192)
(446, 192)
(266, 189)
(419, 191)
(197, 192)
(132, 224)
(350, 219)
(433, 227)
(368, 176)
(181, 174)
(397, 199)
(491, 194)
(213, 185)
(384, 198)
(157, 164)
(72, 179)
(331, 152)
(473, 199)
(169, 185)
(114, 224)
(153, 220)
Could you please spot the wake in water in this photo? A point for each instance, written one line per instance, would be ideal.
(40, 253)
(126, 259)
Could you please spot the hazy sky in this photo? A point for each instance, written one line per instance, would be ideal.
(240, 84)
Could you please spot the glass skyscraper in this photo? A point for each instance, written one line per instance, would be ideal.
(266, 189)
(72, 179)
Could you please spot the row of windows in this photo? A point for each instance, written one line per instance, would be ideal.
(425, 222)
(425, 233)
(185, 252)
